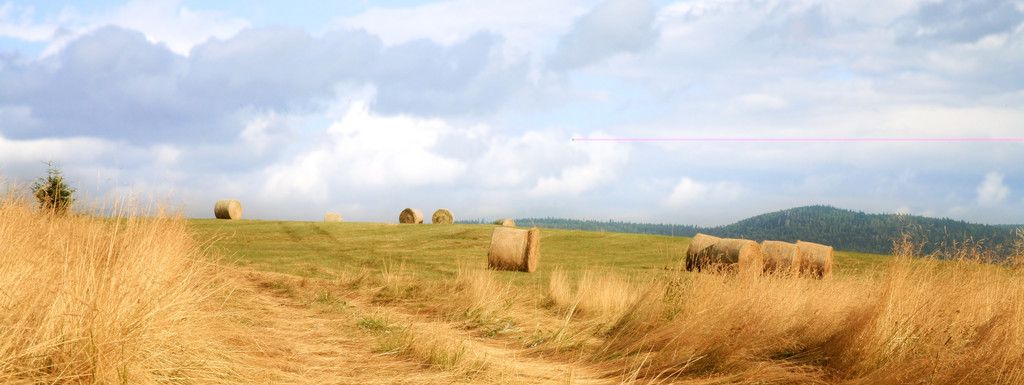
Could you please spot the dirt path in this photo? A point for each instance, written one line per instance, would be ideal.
(300, 343)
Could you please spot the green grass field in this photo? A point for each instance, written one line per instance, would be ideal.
(324, 250)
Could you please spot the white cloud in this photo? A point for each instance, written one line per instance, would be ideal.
(992, 191)
(603, 163)
(517, 161)
(169, 22)
(612, 27)
(526, 25)
(62, 150)
(161, 21)
(819, 184)
(688, 192)
(98, 166)
(367, 151)
(17, 117)
(113, 83)
(17, 23)
(166, 155)
(758, 102)
(958, 22)
(266, 131)
(305, 177)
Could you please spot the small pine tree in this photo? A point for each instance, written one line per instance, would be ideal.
(51, 191)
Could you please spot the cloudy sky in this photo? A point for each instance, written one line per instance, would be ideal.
(365, 108)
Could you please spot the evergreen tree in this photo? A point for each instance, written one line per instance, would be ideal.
(53, 194)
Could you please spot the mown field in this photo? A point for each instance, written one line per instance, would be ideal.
(325, 250)
(148, 299)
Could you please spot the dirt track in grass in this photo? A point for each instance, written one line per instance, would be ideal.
(301, 341)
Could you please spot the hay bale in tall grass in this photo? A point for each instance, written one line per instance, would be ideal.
(332, 217)
(781, 257)
(699, 251)
(442, 217)
(505, 222)
(817, 259)
(410, 216)
(227, 209)
(743, 255)
(514, 249)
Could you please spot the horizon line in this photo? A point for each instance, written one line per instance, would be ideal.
(797, 139)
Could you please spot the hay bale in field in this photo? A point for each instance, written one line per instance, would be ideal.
(442, 217)
(332, 217)
(410, 216)
(781, 257)
(699, 251)
(737, 254)
(227, 209)
(505, 222)
(532, 249)
(514, 249)
(817, 259)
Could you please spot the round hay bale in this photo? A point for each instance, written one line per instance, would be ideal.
(780, 257)
(816, 259)
(332, 217)
(737, 254)
(442, 217)
(699, 251)
(505, 222)
(227, 209)
(532, 249)
(410, 216)
(514, 249)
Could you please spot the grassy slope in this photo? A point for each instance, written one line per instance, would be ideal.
(323, 250)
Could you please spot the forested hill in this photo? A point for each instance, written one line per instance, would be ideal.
(844, 229)
(857, 231)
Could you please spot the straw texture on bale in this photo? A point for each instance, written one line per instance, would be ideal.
(514, 249)
(410, 216)
(227, 209)
(741, 254)
(505, 222)
(817, 259)
(442, 217)
(781, 257)
(332, 217)
(699, 251)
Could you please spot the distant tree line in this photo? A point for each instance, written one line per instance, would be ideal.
(606, 226)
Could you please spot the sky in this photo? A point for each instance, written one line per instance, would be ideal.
(368, 107)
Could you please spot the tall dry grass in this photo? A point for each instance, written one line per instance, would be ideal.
(918, 321)
(105, 300)
(592, 294)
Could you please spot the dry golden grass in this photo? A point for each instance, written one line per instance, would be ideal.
(919, 321)
(122, 300)
(594, 295)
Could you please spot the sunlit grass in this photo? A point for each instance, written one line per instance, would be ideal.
(100, 300)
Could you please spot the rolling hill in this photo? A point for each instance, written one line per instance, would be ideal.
(844, 229)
